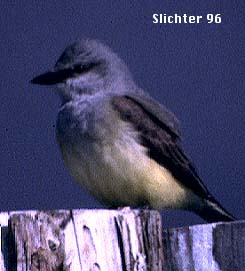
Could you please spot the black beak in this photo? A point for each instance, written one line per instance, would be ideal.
(51, 78)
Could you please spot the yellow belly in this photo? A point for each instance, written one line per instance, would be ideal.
(122, 174)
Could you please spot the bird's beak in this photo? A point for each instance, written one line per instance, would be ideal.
(60, 76)
(50, 78)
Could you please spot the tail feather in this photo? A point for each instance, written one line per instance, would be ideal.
(214, 212)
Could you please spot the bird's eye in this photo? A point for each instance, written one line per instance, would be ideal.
(85, 67)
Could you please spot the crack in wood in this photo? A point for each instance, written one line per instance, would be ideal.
(76, 238)
(118, 221)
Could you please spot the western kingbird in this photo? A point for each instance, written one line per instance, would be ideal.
(119, 143)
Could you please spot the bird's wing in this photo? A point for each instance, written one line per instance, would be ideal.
(158, 133)
(160, 112)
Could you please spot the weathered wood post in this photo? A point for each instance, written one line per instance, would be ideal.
(126, 239)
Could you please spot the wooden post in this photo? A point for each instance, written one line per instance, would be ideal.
(208, 247)
(118, 240)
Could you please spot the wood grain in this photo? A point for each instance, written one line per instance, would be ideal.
(126, 239)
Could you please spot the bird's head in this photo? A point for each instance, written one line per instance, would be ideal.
(85, 67)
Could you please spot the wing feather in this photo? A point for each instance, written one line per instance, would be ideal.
(161, 139)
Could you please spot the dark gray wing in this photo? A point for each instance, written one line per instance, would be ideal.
(156, 109)
(159, 135)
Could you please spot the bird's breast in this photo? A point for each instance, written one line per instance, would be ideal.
(104, 160)
(112, 164)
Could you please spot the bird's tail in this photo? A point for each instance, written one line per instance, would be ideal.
(212, 211)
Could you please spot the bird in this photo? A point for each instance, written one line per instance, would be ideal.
(118, 142)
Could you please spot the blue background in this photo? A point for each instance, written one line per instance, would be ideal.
(198, 71)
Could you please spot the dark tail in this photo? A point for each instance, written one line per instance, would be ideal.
(212, 211)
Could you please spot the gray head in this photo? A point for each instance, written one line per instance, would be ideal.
(86, 67)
